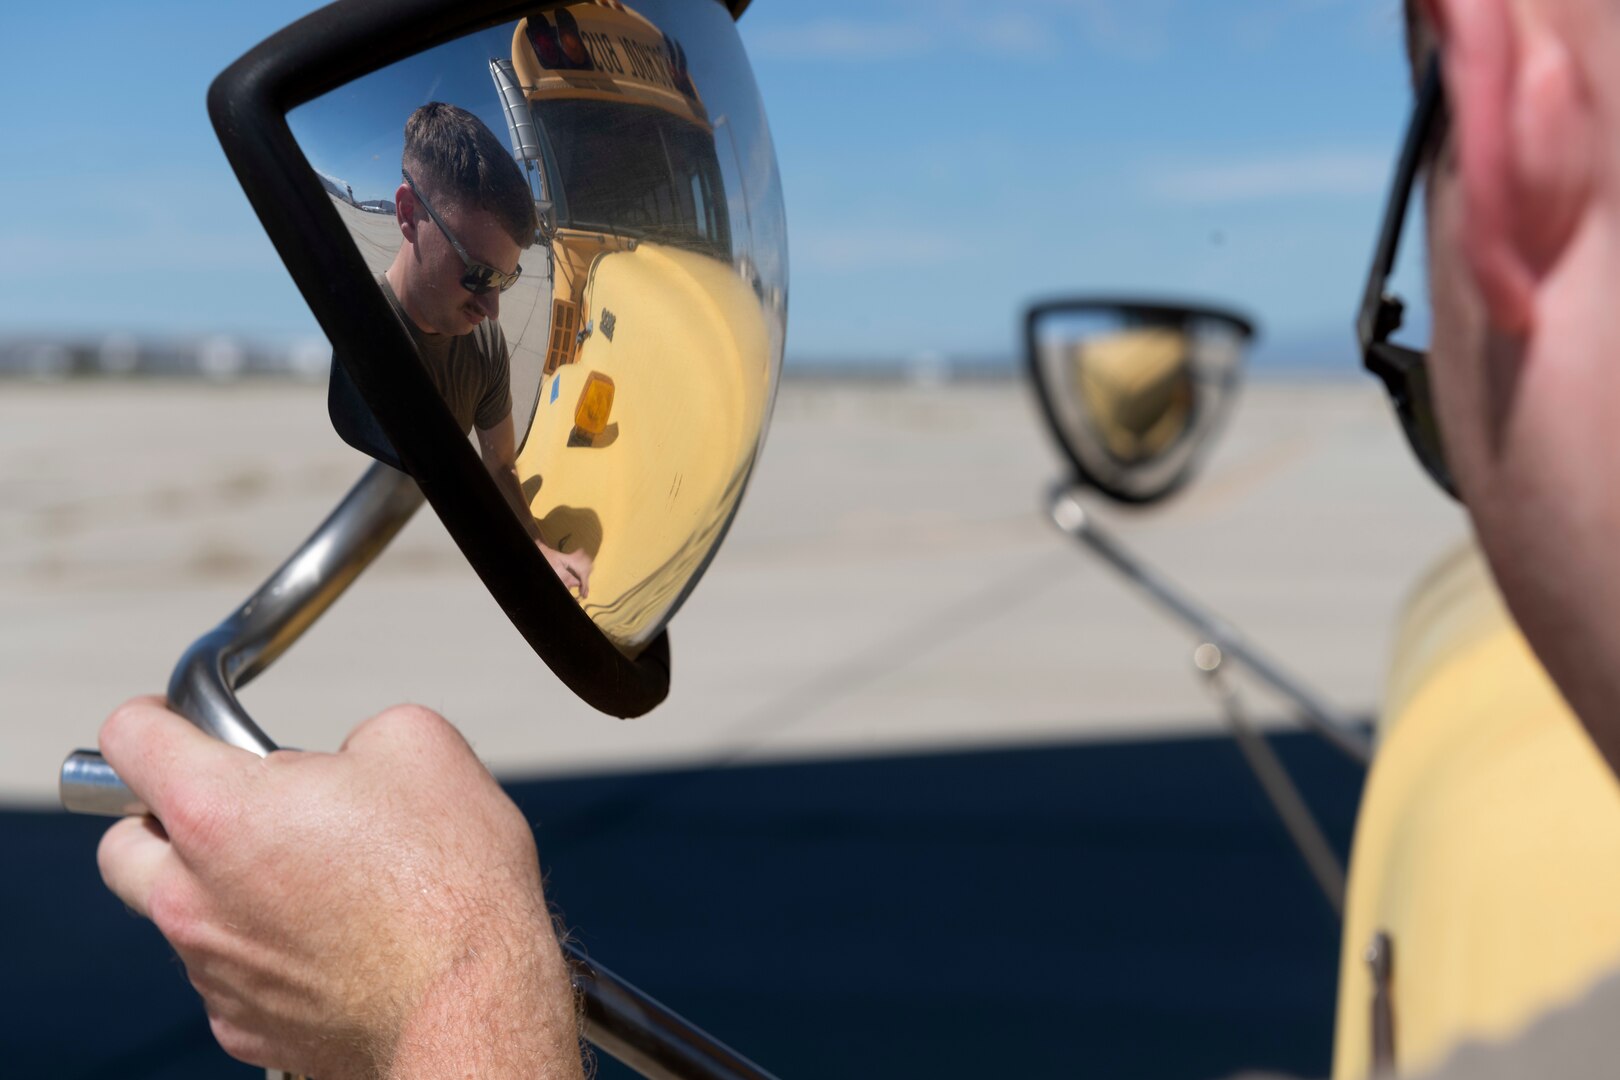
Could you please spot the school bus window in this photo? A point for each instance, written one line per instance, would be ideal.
(610, 182)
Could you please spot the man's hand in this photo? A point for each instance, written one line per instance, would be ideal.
(574, 567)
(374, 912)
(497, 446)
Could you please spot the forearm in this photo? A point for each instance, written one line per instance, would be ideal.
(505, 1012)
(506, 478)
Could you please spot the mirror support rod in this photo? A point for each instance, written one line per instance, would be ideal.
(1272, 776)
(621, 1020)
(633, 1028)
(1338, 729)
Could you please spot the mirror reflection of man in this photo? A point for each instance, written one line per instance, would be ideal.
(465, 216)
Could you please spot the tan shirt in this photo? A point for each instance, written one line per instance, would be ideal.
(470, 370)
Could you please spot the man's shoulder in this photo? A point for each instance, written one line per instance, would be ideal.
(489, 339)
(399, 309)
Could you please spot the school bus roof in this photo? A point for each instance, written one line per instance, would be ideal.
(603, 51)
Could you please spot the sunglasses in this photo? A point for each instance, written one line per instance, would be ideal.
(479, 278)
(1404, 371)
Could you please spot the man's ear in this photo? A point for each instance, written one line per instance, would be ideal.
(1523, 126)
(405, 212)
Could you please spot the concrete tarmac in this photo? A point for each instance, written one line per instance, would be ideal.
(891, 583)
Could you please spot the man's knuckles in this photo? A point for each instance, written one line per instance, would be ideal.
(178, 910)
(200, 816)
(407, 730)
(240, 1043)
(130, 856)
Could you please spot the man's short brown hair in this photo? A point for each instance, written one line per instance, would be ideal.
(458, 160)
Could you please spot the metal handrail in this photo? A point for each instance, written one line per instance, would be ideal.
(620, 1020)
(1338, 729)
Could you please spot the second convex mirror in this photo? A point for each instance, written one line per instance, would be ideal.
(577, 219)
(1134, 391)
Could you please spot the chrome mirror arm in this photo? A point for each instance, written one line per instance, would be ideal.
(619, 1019)
(203, 685)
(1339, 730)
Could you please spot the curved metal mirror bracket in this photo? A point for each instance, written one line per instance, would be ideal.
(1071, 516)
(203, 685)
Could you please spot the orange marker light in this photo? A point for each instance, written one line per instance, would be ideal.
(595, 403)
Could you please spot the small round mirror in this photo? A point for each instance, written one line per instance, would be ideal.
(1134, 390)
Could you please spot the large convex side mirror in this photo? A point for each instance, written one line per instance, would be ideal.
(1134, 390)
(550, 254)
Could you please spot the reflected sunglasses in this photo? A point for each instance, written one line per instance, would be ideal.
(1404, 371)
(480, 277)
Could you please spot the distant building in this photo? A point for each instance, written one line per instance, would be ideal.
(219, 357)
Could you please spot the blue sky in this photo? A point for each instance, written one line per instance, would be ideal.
(943, 163)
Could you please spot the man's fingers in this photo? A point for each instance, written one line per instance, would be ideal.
(575, 571)
(132, 855)
(162, 756)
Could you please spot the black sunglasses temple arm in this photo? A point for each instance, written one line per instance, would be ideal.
(1371, 324)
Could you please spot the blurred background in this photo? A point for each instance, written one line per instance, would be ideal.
(934, 793)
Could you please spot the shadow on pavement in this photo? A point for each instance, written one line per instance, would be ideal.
(1104, 909)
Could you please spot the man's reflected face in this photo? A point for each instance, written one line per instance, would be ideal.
(438, 268)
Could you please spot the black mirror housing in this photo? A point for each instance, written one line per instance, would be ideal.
(1134, 390)
(390, 410)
